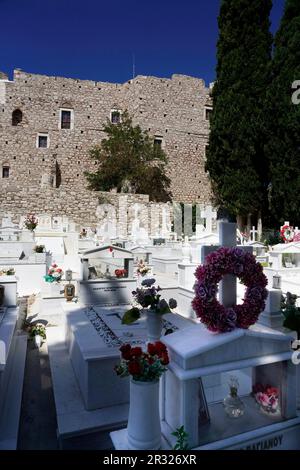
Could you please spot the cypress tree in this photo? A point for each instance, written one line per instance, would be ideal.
(235, 157)
(283, 147)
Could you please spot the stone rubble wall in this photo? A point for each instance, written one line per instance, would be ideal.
(52, 179)
(83, 209)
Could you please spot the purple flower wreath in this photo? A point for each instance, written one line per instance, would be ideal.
(235, 261)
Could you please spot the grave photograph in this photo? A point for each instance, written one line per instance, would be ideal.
(149, 232)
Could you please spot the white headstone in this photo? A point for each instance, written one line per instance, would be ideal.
(6, 221)
(209, 214)
(45, 222)
(57, 224)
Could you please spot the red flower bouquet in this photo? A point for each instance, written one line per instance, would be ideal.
(31, 222)
(267, 397)
(120, 273)
(143, 366)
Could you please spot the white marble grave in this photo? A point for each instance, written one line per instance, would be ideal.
(12, 363)
(197, 353)
(100, 284)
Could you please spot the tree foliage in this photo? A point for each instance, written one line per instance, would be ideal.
(283, 146)
(235, 157)
(129, 161)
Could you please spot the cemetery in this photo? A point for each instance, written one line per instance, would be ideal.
(149, 246)
(92, 304)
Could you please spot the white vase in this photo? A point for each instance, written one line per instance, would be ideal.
(154, 325)
(38, 341)
(143, 430)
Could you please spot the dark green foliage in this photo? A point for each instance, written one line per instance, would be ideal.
(283, 148)
(291, 313)
(271, 237)
(129, 161)
(182, 439)
(235, 158)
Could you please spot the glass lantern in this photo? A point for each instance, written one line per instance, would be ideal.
(234, 407)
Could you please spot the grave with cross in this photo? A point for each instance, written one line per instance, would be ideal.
(199, 372)
(227, 238)
(253, 234)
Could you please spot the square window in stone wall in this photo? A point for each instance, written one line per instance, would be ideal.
(158, 142)
(115, 116)
(66, 118)
(42, 141)
(208, 113)
(5, 171)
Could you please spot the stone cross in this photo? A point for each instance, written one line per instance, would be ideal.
(253, 233)
(227, 238)
(208, 214)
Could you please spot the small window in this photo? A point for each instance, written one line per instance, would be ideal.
(208, 113)
(42, 141)
(66, 118)
(115, 116)
(158, 142)
(17, 117)
(5, 171)
(65, 122)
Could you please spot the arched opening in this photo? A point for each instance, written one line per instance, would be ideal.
(17, 117)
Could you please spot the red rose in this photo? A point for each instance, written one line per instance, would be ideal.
(164, 359)
(160, 347)
(151, 349)
(125, 351)
(134, 368)
(136, 352)
(111, 249)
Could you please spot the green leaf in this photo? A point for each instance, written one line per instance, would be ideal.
(131, 316)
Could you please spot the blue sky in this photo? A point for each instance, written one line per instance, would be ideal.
(96, 39)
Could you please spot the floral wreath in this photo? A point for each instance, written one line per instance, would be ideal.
(235, 261)
(287, 233)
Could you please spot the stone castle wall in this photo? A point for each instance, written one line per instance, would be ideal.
(52, 180)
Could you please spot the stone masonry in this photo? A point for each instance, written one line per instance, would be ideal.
(51, 180)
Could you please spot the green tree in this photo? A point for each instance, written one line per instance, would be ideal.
(235, 157)
(283, 147)
(128, 160)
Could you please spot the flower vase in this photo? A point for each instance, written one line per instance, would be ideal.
(143, 430)
(154, 325)
(38, 341)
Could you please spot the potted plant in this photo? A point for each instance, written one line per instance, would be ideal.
(37, 333)
(53, 277)
(148, 300)
(40, 254)
(142, 268)
(31, 222)
(145, 369)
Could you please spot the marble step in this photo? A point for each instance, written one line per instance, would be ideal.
(11, 405)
